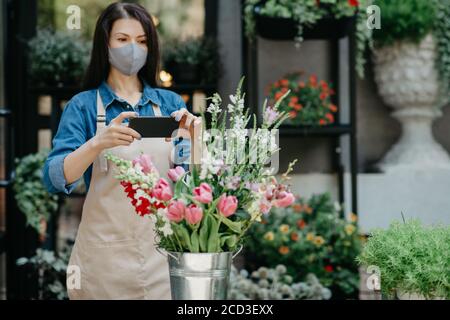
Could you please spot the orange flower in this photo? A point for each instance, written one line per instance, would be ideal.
(297, 207)
(292, 114)
(294, 99)
(333, 108)
(294, 236)
(330, 117)
(283, 250)
(301, 224)
(278, 95)
(301, 84)
(308, 209)
(313, 80)
(324, 85)
(284, 82)
(284, 90)
(322, 122)
(298, 107)
(323, 95)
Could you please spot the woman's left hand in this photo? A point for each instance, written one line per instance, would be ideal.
(189, 125)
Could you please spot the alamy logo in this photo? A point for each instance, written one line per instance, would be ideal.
(73, 21)
(374, 17)
(373, 282)
(73, 281)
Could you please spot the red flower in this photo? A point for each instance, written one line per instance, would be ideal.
(323, 96)
(322, 122)
(292, 114)
(332, 108)
(144, 207)
(328, 268)
(330, 117)
(284, 82)
(353, 3)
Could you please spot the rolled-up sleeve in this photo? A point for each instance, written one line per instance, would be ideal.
(71, 134)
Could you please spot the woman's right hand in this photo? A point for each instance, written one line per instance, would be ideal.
(116, 133)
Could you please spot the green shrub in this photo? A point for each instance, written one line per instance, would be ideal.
(57, 58)
(411, 258)
(32, 197)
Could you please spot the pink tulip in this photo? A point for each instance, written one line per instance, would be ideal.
(176, 211)
(227, 205)
(145, 161)
(175, 174)
(193, 214)
(203, 193)
(284, 199)
(162, 190)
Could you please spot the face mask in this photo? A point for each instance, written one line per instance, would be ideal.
(128, 59)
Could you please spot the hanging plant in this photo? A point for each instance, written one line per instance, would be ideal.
(32, 197)
(313, 13)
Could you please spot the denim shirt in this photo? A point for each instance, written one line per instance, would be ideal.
(78, 124)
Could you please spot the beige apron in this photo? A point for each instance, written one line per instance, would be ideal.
(115, 247)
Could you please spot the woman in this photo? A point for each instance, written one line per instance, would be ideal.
(114, 250)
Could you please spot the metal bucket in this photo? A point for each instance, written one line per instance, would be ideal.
(200, 276)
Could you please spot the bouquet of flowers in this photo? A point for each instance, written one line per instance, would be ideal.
(210, 207)
(309, 102)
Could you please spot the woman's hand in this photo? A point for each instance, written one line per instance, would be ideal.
(189, 125)
(116, 133)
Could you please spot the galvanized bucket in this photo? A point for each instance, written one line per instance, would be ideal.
(200, 276)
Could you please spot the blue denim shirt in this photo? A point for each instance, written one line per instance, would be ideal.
(78, 124)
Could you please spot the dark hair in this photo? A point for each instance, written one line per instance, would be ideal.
(98, 68)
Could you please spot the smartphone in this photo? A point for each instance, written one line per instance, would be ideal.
(154, 127)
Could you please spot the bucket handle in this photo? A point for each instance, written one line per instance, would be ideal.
(237, 252)
(166, 253)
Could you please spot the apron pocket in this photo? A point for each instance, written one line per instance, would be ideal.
(114, 269)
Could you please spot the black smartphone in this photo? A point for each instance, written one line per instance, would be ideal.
(154, 127)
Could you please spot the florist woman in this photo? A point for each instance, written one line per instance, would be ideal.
(114, 249)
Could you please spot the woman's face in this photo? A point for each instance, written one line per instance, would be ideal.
(126, 31)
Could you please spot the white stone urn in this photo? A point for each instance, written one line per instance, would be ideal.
(409, 83)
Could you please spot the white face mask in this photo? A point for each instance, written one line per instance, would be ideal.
(128, 59)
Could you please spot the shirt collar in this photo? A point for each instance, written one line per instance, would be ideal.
(148, 94)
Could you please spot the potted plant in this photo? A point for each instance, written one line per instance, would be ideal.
(304, 19)
(309, 102)
(202, 221)
(193, 61)
(33, 199)
(412, 259)
(412, 71)
(276, 284)
(56, 59)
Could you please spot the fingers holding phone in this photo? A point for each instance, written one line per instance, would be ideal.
(116, 133)
(189, 125)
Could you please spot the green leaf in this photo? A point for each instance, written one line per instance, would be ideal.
(213, 240)
(183, 234)
(204, 233)
(235, 226)
(195, 241)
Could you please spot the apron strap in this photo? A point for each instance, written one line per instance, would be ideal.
(101, 123)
